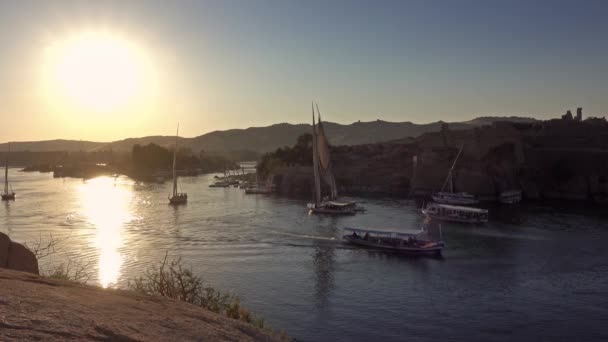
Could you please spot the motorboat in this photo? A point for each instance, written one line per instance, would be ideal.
(411, 243)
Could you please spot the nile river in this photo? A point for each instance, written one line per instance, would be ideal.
(545, 278)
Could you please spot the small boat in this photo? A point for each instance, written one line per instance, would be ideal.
(461, 198)
(451, 197)
(322, 167)
(455, 213)
(510, 196)
(7, 194)
(333, 208)
(411, 243)
(220, 184)
(176, 197)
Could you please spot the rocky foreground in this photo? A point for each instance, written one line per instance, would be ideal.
(37, 308)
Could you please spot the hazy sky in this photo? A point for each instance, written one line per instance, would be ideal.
(233, 64)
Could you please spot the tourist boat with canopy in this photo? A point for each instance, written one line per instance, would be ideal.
(176, 197)
(7, 194)
(411, 243)
(451, 197)
(322, 167)
(455, 213)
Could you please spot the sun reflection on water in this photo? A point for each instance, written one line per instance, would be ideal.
(106, 206)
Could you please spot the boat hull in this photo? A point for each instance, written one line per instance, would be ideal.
(179, 199)
(8, 197)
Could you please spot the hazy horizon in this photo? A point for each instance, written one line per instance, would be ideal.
(103, 71)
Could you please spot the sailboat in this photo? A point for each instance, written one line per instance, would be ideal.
(176, 197)
(451, 197)
(6, 195)
(322, 167)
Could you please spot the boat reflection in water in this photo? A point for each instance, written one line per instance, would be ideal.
(106, 207)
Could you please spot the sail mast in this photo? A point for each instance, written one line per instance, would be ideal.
(175, 163)
(315, 160)
(6, 172)
(449, 180)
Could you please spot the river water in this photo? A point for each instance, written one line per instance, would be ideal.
(544, 277)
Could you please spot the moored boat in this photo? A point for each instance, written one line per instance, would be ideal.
(455, 213)
(510, 197)
(220, 184)
(333, 208)
(462, 198)
(411, 243)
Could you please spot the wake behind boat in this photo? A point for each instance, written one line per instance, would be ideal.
(322, 167)
(411, 243)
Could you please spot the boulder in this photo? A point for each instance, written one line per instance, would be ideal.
(5, 243)
(16, 257)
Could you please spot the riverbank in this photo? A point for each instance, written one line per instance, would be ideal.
(560, 159)
(37, 308)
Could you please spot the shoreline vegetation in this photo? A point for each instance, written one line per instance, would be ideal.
(170, 278)
(149, 162)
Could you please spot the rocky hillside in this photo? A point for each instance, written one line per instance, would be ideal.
(554, 159)
(35, 308)
(264, 139)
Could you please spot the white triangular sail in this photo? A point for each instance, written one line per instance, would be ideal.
(324, 156)
(321, 159)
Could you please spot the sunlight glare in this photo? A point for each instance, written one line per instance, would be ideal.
(106, 206)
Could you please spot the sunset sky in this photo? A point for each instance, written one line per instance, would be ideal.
(106, 70)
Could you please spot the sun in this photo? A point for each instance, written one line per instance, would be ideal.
(98, 72)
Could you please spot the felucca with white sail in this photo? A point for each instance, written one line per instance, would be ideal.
(322, 168)
(7, 194)
(176, 197)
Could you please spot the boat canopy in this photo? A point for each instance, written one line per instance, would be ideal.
(461, 208)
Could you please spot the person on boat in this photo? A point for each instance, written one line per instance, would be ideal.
(366, 236)
(355, 235)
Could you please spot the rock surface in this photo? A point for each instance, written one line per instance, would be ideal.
(15, 256)
(37, 308)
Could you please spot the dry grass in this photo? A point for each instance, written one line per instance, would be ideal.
(169, 278)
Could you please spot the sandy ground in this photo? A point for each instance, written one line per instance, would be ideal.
(36, 308)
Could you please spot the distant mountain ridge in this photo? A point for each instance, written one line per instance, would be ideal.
(265, 139)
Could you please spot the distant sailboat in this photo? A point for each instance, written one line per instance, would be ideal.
(176, 197)
(7, 194)
(322, 168)
(451, 197)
